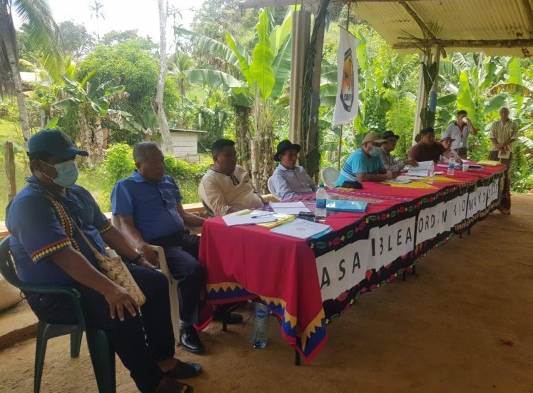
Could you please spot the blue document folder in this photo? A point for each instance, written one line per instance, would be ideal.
(343, 205)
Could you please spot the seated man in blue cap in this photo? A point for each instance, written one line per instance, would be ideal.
(147, 207)
(289, 180)
(52, 221)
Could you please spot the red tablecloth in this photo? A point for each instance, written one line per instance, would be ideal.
(245, 262)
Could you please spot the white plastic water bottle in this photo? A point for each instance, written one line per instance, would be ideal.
(259, 337)
(431, 169)
(451, 167)
(321, 197)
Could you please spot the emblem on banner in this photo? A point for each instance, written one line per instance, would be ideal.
(347, 89)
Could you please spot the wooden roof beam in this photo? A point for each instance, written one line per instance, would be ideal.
(425, 29)
(504, 43)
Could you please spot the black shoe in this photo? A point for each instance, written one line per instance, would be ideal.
(184, 370)
(190, 341)
(229, 318)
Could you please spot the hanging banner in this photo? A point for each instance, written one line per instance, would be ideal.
(347, 80)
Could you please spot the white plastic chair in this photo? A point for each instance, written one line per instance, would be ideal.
(329, 176)
(271, 189)
(172, 292)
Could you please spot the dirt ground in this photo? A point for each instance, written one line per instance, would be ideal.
(463, 325)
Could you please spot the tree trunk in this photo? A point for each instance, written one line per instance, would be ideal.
(8, 36)
(242, 130)
(310, 153)
(92, 139)
(9, 158)
(159, 97)
(262, 154)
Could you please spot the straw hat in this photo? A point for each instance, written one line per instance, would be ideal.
(373, 137)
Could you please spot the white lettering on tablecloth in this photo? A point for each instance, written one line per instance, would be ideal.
(342, 269)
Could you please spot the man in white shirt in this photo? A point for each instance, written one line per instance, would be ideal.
(503, 133)
(226, 187)
(459, 130)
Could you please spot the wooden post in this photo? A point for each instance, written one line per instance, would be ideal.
(340, 149)
(310, 155)
(421, 96)
(301, 28)
(9, 155)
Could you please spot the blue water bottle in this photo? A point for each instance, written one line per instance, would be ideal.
(259, 337)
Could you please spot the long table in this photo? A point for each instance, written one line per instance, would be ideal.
(308, 283)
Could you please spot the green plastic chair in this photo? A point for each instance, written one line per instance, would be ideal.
(102, 355)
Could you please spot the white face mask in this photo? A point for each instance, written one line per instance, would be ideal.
(67, 173)
(374, 151)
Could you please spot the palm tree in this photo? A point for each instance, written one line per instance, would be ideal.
(159, 96)
(97, 13)
(43, 32)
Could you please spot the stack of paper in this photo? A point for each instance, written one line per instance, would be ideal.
(289, 207)
(246, 217)
(423, 169)
(302, 229)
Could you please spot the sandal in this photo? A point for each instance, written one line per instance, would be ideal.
(184, 370)
(170, 385)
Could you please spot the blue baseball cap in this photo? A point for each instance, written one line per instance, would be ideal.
(54, 143)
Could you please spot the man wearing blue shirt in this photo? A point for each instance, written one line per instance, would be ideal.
(147, 207)
(365, 163)
(45, 220)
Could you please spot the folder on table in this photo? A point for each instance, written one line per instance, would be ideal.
(301, 229)
(346, 205)
(280, 219)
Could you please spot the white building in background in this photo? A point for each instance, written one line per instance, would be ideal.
(184, 143)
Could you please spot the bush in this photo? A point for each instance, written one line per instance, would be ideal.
(187, 175)
(118, 164)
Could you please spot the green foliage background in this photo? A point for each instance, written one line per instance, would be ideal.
(217, 66)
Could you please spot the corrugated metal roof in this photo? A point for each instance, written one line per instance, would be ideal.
(454, 20)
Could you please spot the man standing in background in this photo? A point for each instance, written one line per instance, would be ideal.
(503, 133)
(459, 130)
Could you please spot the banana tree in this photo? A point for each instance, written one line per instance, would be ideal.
(480, 85)
(255, 83)
(88, 108)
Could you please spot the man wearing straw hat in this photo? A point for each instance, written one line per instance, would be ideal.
(365, 164)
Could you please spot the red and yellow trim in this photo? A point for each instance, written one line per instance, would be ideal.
(50, 249)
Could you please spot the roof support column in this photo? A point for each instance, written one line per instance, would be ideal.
(426, 104)
(301, 27)
(421, 96)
